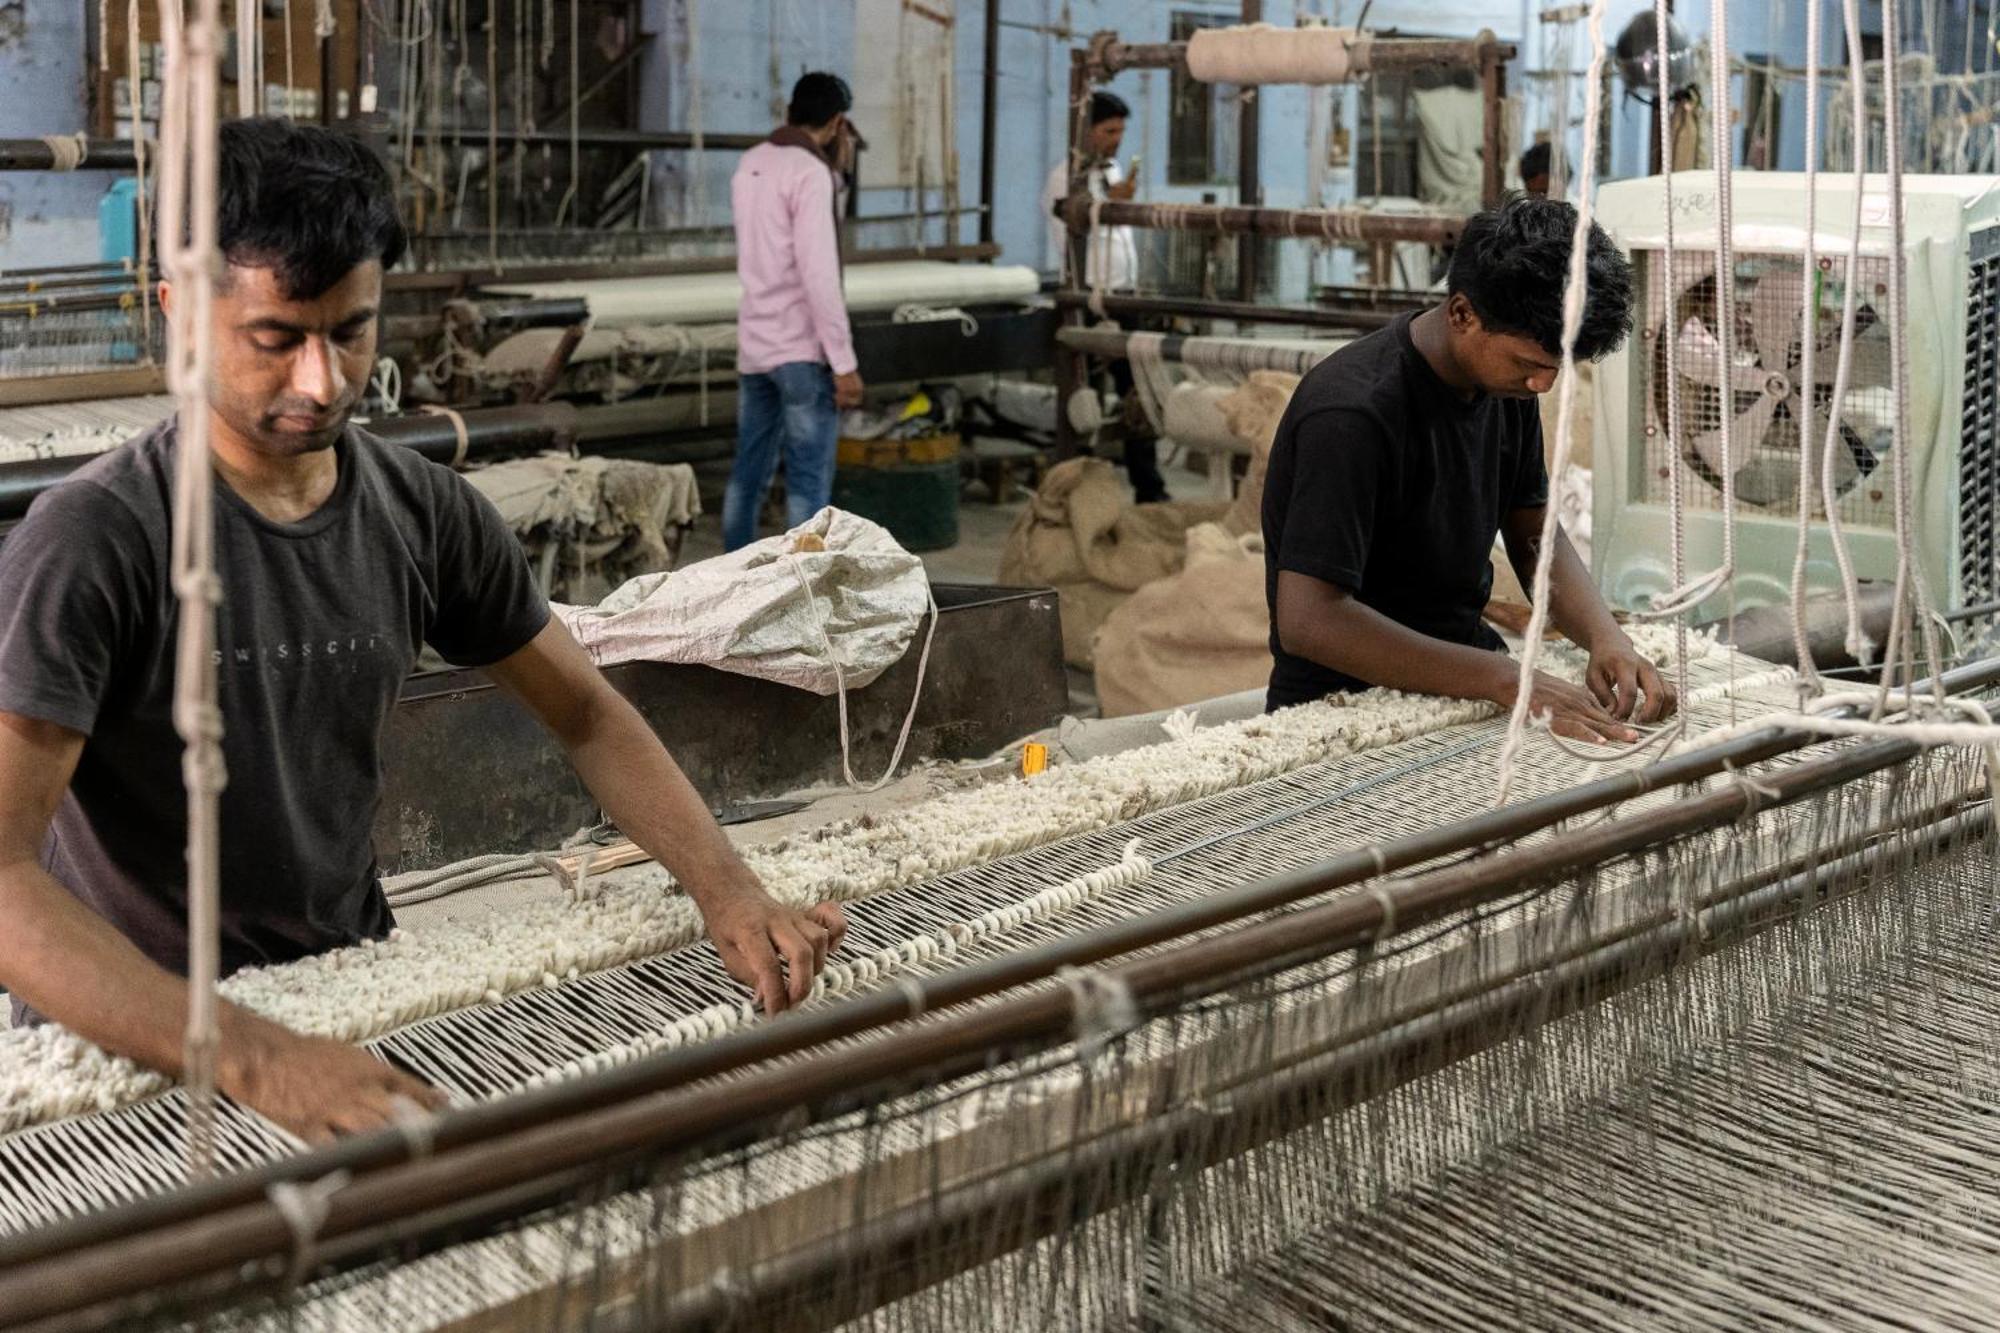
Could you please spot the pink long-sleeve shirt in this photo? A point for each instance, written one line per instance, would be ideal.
(788, 260)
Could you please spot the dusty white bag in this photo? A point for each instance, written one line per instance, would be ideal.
(826, 607)
(771, 609)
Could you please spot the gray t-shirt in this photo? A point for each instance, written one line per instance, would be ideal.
(320, 623)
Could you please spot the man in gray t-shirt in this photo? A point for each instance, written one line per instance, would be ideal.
(340, 557)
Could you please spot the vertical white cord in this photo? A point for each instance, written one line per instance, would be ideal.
(1807, 387)
(1575, 294)
(1912, 595)
(1857, 643)
(188, 180)
(249, 74)
(1725, 298)
(1670, 338)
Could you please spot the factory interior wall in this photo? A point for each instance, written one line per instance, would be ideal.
(749, 51)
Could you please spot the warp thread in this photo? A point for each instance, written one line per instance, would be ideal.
(304, 1209)
(67, 151)
(1103, 1006)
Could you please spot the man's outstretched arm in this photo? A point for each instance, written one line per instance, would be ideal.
(1628, 685)
(1324, 623)
(767, 946)
(72, 966)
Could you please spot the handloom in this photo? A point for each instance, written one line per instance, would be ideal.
(1323, 1046)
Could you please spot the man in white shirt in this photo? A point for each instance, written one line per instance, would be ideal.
(1112, 255)
(1111, 262)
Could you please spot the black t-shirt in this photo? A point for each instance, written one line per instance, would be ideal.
(1387, 483)
(320, 623)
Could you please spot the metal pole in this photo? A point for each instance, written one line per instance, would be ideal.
(39, 155)
(1309, 317)
(1308, 223)
(1493, 91)
(1249, 187)
(989, 122)
(1072, 370)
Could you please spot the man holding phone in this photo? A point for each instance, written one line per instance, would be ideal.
(1111, 261)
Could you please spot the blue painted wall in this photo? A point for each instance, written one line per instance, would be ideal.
(45, 218)
(740, 44)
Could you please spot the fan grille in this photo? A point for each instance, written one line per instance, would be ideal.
(1765, 436)
(1979, 446)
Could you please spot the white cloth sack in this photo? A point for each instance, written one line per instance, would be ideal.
(750, 611)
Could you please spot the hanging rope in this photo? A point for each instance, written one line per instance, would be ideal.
(188, 182)
(1857, 644)
(1687, 597)
(1912, 595)
(249, 72)
(1575, 294)
(1670, 335)
(1809, 681)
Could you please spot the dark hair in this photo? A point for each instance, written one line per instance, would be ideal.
(1535, 162)
(1107, 106)
(308, 202)
(817, 98)
(1511, 262)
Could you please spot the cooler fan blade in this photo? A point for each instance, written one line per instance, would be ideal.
(1699, 353)
(1774, 321)
(1869, 366)
(1727, 450)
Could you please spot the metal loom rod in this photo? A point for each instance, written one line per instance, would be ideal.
(841, 1276)
(797, 1032)
(718, 1114)
(1080, 212)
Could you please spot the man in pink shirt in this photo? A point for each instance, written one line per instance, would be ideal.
(794, 354)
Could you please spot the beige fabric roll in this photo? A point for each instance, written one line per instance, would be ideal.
(1260, 53)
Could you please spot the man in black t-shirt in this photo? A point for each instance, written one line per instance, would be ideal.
(339, 557)
(1404, 453)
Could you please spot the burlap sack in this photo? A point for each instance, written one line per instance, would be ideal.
(1082, 535)
(1198, 635)
(1203, 632)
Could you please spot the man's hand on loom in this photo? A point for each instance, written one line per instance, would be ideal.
(771, 948)
(1570, 709)
(1628, 685)
(316, 1088)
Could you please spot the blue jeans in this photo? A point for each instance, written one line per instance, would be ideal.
(784, 412)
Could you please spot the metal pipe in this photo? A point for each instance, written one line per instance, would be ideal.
(1311, 317)
(1109, 56)
(1249, 187)
(1112, 344)
(989, 122)
(39, 155)
(802, 1031)
(1224, 220)
(736, 1110)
